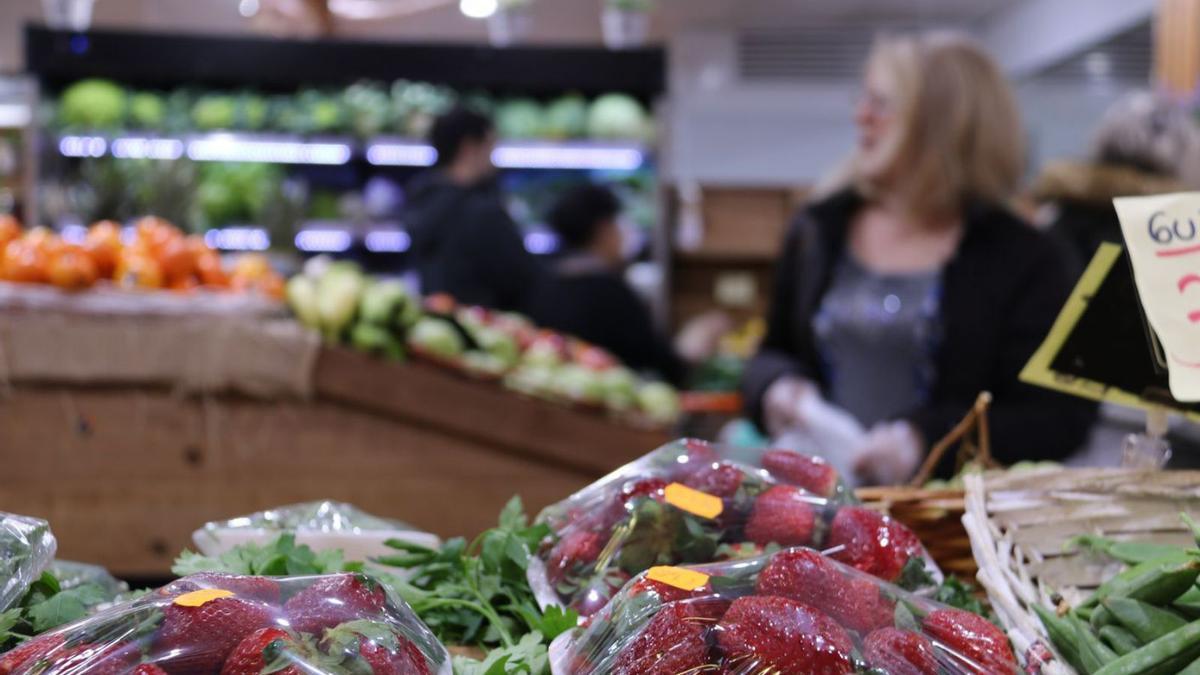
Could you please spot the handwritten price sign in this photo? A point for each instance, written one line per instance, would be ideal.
(1162, 234)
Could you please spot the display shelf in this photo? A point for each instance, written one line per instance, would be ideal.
(579, 155)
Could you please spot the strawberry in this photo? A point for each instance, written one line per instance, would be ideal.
(781, 516)
(576, 551)
(900, 652)
(377, 644)
(811, 473)
(647, 487)
(599, 592)
(674, 641)
(197, 639)
(688, 457)
(721, 480)
(973, 637)
(872, 542)
(407, 660)
(770, 634)
(95, 659)
(150, 669)
(29, 653)
(805, 575)
(259, 650)
(254, 588)
(333, 600)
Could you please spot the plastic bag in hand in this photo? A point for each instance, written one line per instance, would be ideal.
(795, 611)
(320, 525)
(212, 624)
(692, 502)
(26, 547)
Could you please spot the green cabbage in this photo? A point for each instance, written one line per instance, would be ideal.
(618, 116)
(520, 118)
(94, 104)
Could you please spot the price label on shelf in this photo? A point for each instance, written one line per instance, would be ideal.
(1162, 234)
(678, 577)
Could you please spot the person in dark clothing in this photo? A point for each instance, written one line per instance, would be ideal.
(903, 295)
(463, 240)
(585, 295)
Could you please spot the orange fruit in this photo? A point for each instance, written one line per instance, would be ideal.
(184, 285)
(154, 233)
(9, 229)
(210, 271)
(104, 245)
(45, 241)
(23, 262)
(178, 263)
(252, 266)
(271, 286)
(72, 269)
(136, 270)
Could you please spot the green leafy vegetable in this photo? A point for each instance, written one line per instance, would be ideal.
(281, 557)
(46, 605)
(962, 595)
(477, 594)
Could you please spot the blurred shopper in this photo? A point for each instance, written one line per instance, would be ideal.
(585, 293)
(463, 240)
(1145, 145)
(906, 292)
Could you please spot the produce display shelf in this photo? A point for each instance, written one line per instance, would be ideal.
(581, 155)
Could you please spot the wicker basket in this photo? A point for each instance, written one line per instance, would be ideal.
(1018, 524)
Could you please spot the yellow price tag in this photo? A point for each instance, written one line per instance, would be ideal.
(684, 580)
(694, 501)
(197, 598)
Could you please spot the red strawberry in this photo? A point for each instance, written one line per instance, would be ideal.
(781, 516)
(647, 487)
(721, 480)
(197, 639)
(112, 659)
(672, 642)
(150, 669)
(807, 576)
(254, 588)
(974, 637)
(900, 652)
(811, 473)
(872, 542)
(770, 634)
(407, 660)
(693, 456)
(333, 600)
(599, 592)
(577, 549)
(259, 650)
(29, 653)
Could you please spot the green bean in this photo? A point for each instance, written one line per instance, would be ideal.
(1093, 654)
(1101, 617)
(1168, 654)
(1121, 640)
(1189, 603)
(1157, 582)
(1193, 669)
(1145, 621)
(1128, 552)
(1062, 634)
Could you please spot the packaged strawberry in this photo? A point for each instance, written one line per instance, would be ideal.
(215, 624)
(691, 502)
(26, 548)
(793, 611)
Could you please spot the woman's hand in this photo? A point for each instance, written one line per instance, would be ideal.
(889, 455)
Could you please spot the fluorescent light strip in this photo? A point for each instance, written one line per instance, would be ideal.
(401, 154)
(230, 148)
(133, 147)
(541, 243)
(82, 146)
(73, 234)
(324, 241)
(594, 157)
(238, 239)
(388, 241)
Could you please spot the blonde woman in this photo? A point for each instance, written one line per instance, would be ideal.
(904, 294)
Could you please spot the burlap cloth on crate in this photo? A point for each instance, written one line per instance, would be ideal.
(193, 344)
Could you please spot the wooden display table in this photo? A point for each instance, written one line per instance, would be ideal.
(125, 472)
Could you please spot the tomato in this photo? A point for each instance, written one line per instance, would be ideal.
(136, 270)
(210, 271)
(104, 245)
(23, 262)
(178, 263)
(72, 269)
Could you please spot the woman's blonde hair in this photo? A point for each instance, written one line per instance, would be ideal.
(956, 133)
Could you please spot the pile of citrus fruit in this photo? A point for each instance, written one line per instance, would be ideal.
(158, 256)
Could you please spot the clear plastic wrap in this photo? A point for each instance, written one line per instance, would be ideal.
(75, 574)
(691, 502)
(26, 547)
(211, 624)
(321, 525)
(794, 611)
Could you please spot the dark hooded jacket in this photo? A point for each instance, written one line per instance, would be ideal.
(465, 243)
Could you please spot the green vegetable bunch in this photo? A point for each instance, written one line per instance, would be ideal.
(48, 605)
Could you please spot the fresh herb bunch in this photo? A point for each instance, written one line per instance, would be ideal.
(47, 605)
(477, 594)
(279, 558)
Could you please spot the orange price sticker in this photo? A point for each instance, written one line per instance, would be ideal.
(694, 501)
(684, 580)
(197, 598)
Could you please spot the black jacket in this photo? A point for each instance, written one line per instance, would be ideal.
(599, 307)
(465, 243)
(1000, 294)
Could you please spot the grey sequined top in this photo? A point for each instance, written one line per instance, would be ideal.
(877, 335)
